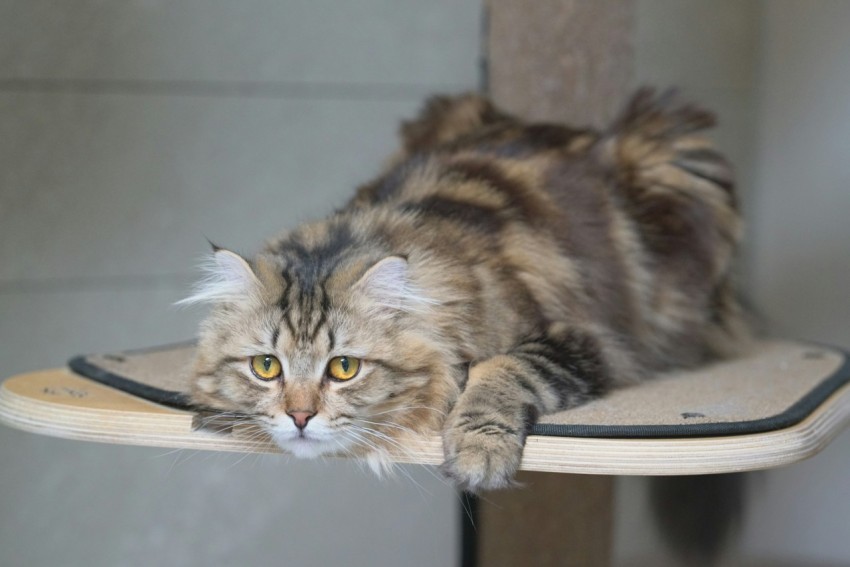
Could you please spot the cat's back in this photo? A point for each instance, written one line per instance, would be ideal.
(634, 225)
(505, 171)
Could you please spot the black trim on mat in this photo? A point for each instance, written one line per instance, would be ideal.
(82, 366)
(791, 416)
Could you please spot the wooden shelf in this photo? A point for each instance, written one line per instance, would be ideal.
(62, 404)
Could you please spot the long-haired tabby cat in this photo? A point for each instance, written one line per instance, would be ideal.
(496, 271)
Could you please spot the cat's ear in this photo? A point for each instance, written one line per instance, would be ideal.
(387, 286)
(228, 278)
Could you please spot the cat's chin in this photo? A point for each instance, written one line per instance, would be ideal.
(302, 448)
(306, 447)
(310, 448)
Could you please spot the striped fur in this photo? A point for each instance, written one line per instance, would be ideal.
(495, 272)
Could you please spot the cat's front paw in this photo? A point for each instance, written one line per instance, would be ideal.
(481, 456)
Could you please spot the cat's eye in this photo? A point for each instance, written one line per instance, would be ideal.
(343, 367)
(266, 367)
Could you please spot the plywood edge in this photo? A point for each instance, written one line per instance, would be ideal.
(61, 404)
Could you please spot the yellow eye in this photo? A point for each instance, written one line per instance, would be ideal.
(266, 367)
(343, 367)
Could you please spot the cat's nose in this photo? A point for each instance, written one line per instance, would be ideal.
(301, 417)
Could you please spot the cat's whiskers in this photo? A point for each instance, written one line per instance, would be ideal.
(406, 408)
(226, 419)
(461, 497)
(387, 438)
(256, 439)
(364, 441)
(390, 424)
(240, 459)
(400, 448)
(414, 458)
(378, 459)
(410, 433)
(422, 490)
(178, 454)
(384, 437)
(391, 466)
(342, 446)
(171, 452)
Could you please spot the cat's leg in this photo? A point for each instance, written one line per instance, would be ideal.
(485, 432)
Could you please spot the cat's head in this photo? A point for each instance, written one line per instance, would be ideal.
(329, 357)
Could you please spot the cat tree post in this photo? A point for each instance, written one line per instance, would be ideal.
(568, 61)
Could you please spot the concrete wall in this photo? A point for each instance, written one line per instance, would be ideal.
(129, 131)
(778, 73)
(800, 253)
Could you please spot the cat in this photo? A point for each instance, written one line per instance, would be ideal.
(494, 272)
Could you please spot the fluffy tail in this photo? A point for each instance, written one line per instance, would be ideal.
(679, 192)
(445, 119)
(698, 516)
(657, 145)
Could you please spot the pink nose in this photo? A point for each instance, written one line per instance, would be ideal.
(301, 417)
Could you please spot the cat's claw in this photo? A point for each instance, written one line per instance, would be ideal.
(480, 459)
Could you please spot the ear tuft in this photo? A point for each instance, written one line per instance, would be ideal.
(228, 278)
(215, 247)
(388, 285)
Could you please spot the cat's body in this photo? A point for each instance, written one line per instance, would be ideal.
(496, 271)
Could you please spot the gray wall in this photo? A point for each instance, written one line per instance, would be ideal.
(129, 131)
(778, 72)
(800, 252)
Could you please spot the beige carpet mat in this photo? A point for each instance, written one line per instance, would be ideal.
(775, 386)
